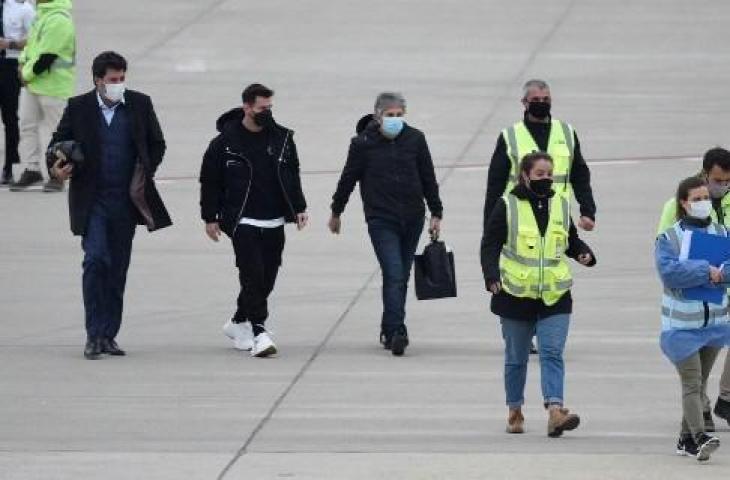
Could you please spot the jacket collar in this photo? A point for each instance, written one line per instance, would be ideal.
(692, 223)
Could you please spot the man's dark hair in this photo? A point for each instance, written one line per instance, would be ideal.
(106, 61)
(529, 161)
(256, 90)
(716, 156)
(685, 186)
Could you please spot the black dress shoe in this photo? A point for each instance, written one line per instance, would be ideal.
(109, 346)
(92, 351)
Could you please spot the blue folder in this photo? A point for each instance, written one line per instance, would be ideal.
(716, 250)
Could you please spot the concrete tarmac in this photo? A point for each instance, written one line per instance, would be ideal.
(642, 81)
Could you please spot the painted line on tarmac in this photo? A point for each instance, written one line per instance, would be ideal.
(449, 170)
(330, 333)
(457, 166)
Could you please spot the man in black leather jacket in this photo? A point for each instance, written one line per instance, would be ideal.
(251, 187)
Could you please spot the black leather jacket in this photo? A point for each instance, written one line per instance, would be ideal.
(225, 175)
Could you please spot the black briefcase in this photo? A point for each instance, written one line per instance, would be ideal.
(435, 276)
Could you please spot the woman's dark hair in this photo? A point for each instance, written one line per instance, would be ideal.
(528, 162)
(106, 61)
(256, 90)
(685, 186)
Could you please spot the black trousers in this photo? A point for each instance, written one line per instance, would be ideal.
(9, 98)
(258, 258)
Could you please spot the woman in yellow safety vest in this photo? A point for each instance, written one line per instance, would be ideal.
(527, 239)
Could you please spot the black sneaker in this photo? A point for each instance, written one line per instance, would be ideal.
(706, 445)
(6, 179)
(399, 341)
(709, 423)
(686, 446)
(53, 185)
(722, 409)
(29, 178)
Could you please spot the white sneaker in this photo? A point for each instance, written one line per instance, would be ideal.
(263, 346)
(240, 333)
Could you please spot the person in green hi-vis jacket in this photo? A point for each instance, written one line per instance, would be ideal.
(48, 73)
(716, 170)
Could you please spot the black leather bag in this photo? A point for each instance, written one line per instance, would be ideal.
(435, 276)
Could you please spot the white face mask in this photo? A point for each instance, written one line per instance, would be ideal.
(114, 92)
(700, 209)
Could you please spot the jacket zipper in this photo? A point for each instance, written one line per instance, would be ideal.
(707, 313)
(394, 162)
(248, 188)
(281, 182)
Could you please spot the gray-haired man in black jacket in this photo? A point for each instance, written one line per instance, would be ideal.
(392, 163)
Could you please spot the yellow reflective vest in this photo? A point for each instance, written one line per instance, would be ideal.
(531, 265)
(561, 146)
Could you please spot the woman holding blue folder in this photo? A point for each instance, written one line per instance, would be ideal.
(693, 331)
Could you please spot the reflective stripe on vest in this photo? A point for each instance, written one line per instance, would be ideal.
(534, 266)
(679, 313)
(59, 62)
(695, 316)
(559, 286)
(562, 174)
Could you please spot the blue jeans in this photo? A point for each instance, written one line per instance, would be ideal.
(107, 246)
(551, 334)
(395, 244)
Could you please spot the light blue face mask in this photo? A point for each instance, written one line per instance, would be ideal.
(392, 126)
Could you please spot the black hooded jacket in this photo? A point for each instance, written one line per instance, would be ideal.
(227, 171)
(395, 175)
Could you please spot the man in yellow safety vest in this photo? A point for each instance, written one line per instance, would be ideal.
(539, 131)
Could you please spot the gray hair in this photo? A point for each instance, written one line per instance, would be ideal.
(388, 100)
(534, 83)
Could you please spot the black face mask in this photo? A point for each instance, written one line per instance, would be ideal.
(264, 119)
(539, 110)
(541, 187)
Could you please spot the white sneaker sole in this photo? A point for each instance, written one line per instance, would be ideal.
(707, 450)
(268, 351)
